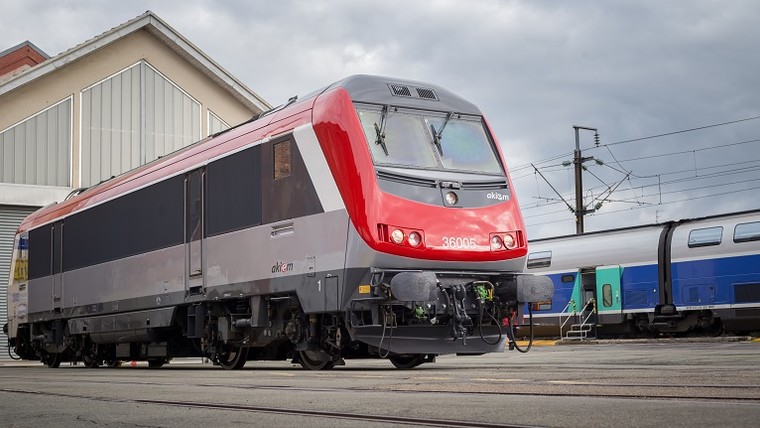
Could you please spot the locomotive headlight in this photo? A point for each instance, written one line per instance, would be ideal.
(397, 236)
(509, 241)
(451, 198)
(415, 239)
(496, 243)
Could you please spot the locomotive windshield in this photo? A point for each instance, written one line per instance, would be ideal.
(428, 140)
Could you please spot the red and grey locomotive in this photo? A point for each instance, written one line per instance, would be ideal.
(372, 218)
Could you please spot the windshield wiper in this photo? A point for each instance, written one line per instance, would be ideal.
(438, 134)
(380, 130)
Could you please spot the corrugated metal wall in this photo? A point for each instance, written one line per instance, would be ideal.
(10, 218)
(38, 150)
(215, 124)
(132, 118)
(111, 127)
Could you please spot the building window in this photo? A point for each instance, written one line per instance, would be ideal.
(132, 118)
(705, 237)
(38, 149)
(747, 232)
(282, 164)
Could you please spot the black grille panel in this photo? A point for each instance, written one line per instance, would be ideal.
(426, 93)
(412, 92)
(401, 91)
(424, 182)
(485, 185)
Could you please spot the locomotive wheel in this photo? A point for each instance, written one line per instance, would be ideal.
(407, 361)
(112, 363)
(51, 360)
(315, 360)
(232, 358)
(91, 361)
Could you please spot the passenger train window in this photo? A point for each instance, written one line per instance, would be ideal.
(607, 295)
(706, 236)
(747, 232)
(539, 259)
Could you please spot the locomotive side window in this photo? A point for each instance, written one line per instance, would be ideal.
(145, 220)
(40, 256)
(705, 236)
(539, 259)
(747, 232)
(282, 163)
(233, 192)
(287, 191)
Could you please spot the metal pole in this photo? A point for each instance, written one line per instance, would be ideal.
(577, 161)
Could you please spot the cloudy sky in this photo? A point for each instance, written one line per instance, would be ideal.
(673, 86)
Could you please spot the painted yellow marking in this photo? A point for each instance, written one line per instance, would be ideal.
(757, 339)
(524, 343)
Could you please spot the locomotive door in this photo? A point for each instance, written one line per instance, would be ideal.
(608, 289)
(194, 232)
(57, 260)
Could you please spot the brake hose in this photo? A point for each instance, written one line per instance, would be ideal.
(512, 332)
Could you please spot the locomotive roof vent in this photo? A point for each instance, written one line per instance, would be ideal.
(412, 92)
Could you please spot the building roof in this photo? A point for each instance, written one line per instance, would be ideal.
(20, 57)
(161, 30)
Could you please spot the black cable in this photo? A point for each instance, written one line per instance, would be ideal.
(10, 353)
(480, 326)
(512, 329)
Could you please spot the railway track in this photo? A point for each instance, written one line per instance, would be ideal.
(359, 417)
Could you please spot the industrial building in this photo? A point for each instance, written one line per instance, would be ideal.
(110, 104)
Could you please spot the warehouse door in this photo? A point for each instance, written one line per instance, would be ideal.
(10, 218)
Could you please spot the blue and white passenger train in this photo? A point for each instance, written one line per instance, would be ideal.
(696, 275)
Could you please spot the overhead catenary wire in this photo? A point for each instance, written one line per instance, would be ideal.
(566, 154)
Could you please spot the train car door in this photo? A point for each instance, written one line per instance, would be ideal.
(194, 232)
(608, 289)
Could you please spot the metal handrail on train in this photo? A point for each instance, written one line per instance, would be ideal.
(561, 322)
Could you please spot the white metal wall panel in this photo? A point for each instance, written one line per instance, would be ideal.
(132, 118)
(172, 117)
(10, 218)
(216, 124)
(37, 150)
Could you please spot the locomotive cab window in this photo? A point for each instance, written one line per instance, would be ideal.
(746, 232)
(705, 237)
(409, 138)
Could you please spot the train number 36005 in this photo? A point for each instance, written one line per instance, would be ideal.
(458, 242)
